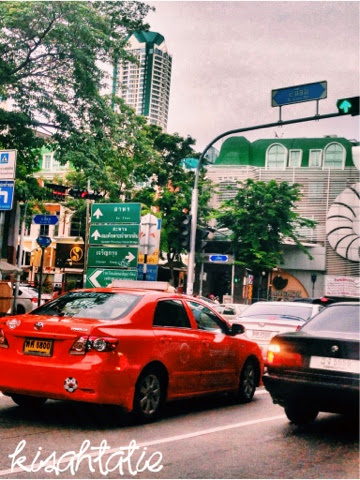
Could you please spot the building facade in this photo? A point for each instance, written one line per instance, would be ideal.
(328, 171)
(145, 86)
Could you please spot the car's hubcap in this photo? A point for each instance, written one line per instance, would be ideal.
(150, 394)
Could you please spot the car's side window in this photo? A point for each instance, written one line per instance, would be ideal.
(229, 311)
(171, 313)
(205, 318)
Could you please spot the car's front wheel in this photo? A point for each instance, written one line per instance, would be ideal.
(300, 414)
(26, 401)
(149, 395)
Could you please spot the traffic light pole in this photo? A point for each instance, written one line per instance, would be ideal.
(195, 192)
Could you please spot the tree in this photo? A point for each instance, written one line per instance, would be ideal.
(260, 217)
(52, 57)
(170, 188)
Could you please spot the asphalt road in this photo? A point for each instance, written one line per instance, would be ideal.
(207, 438)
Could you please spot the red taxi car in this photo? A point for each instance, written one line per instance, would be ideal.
(126, 346)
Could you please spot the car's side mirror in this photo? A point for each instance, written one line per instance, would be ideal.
(237, 329)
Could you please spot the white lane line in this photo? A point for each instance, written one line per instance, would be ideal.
(160, 441)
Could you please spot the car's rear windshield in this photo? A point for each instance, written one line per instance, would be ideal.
(337, 318)
(99, 305)
(295, 312)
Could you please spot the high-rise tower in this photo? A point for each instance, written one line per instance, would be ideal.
(146, 86)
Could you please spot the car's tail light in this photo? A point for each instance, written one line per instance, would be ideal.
(278, 356)
(99, 344)
(34, 300)
(3, 341)
(298, 328)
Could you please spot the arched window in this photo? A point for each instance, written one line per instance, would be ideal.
(276, 157)
(334, 156)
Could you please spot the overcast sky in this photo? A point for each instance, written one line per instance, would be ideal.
(228, 56)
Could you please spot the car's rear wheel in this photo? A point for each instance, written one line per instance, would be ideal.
(247, 384)
(149, 395)
(26, 401)
(300, 414)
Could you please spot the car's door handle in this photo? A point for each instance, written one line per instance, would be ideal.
(206, 343)
(165, 340)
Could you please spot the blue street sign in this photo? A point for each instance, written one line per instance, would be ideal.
(43, 241)
(45, 219)
(6, 194)
(151, 272)
(218, 258)
(299, 93)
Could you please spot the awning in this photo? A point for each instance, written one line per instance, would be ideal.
(7, 268)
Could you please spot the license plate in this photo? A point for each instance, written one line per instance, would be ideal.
(262, 334)
(35, 346)
(336, 364)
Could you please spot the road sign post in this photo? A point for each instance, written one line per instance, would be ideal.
(103, 277)
(7, 188)
(118, 234)
(115, 213)
(7, 164)
(115, 257)
(298, 93)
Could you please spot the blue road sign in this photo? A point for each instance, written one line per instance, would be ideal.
(6, 194)
(43, 241)
(151, 272)
(45, 219)
(218, 258)
(299, 93)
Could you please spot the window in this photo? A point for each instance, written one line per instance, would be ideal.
(334, 156)
(205, 318)
(47, 162)
(315, 158)
(316, 190)
(44, 230)
(276, 157)
(171, 313)
(295, 158)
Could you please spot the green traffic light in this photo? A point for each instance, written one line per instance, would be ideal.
(348, 106)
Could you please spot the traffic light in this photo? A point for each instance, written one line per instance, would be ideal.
(84, 194)
(348, 106)
(201, 235)
(77, 193)
(185, 231)
(58, 191)
(92, 195)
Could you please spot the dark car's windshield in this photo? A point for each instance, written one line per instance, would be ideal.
(295, 312)
(337, 318)
(101, 305)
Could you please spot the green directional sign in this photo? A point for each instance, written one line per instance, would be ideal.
(348, 106)
(103, 277)
(117, 257)
(115, 213)
(119, 234)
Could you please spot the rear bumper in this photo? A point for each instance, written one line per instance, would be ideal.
(95, 381)
(327, 396)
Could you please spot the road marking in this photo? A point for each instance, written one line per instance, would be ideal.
(160, 441)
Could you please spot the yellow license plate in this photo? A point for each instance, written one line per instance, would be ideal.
(35, 346)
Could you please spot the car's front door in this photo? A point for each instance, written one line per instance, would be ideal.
(219, 358)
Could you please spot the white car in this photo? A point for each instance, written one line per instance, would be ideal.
(230, 311)
(27, 298)
(263, 320)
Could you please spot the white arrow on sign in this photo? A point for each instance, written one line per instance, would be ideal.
(5, 195)
(98, 214)
(130, 257)
(96, 234)
(93, 278)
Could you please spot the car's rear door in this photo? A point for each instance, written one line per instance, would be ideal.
(179, 346)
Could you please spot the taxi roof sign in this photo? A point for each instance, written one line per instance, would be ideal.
(143, 285)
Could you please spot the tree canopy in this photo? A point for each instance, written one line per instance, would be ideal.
(260, 217)
(52, 59)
